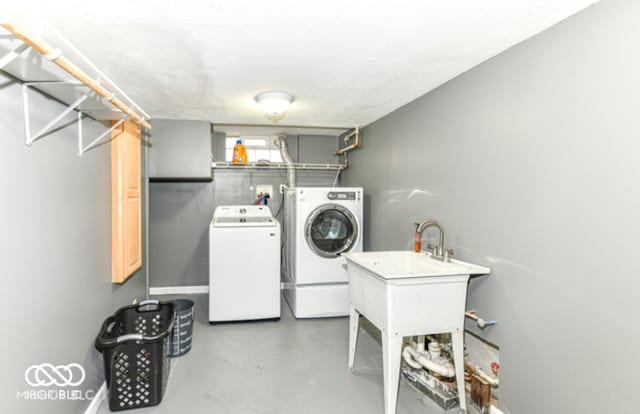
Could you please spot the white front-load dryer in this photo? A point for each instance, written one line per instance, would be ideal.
(321, 223)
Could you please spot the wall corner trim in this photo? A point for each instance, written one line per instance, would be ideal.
(98, 398)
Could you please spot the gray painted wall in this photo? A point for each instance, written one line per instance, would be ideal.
(180, 213)
(531, 162)
(55, 251)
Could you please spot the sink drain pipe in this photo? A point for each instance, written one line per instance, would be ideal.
(431, 361)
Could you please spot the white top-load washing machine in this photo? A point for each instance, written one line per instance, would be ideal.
(320, 224)
(244, 264)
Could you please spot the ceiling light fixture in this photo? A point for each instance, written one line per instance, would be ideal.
(274, 104)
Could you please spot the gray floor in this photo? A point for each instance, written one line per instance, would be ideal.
(285, 367)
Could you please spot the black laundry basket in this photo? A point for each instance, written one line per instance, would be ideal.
(134, 343)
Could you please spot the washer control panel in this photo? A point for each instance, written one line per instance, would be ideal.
(343, 195)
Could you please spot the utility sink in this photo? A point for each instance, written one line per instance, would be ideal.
(411, 291)
(408, 264)
(404, 293)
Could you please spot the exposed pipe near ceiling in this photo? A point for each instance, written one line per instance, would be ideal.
(355, 133)
(281, 143)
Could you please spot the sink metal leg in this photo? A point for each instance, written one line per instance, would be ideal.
(391, 350)
(457, 342)
(354, 319)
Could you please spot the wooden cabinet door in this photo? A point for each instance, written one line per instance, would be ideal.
(126, 201)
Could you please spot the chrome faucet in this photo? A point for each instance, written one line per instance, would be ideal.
(438, 251)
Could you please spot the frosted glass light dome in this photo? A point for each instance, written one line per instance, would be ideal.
(274, 104)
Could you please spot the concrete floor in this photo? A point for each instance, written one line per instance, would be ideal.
(285, 367)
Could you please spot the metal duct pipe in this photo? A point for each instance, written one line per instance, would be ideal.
(281, 143)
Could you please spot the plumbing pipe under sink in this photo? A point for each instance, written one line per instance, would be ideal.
(431, 360)
(493, 381)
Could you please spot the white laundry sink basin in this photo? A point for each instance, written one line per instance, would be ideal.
(408, 264)
(409, 290)
(404, 293)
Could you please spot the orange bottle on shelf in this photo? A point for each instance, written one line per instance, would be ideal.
(239, 153)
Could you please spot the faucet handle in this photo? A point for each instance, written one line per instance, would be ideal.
(448, 253)
(431, 248)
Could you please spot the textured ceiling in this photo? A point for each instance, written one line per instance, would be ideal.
(346, 62)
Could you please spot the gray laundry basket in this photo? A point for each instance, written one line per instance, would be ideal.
(182, 334)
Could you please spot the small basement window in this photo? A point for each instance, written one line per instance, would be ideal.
(259, 148)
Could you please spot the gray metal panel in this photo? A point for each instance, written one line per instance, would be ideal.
(531, 163)
(180, 149)
(56, 251)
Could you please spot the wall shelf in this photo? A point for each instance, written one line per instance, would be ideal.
(276, 166)
(56, 68)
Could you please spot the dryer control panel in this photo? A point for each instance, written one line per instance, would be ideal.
(343, 195)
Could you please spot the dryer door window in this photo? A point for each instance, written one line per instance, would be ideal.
(331, 230)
